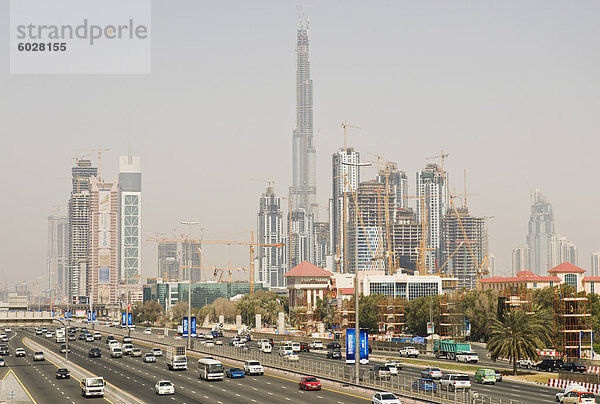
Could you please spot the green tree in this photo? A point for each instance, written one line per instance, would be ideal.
(418, 311)
(321, 309)
(177, 312)
(518, 335)
(481, 307)
(368, 310)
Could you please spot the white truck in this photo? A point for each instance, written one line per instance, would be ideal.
(60, 335)
(466, 357)
(176, 358)
(409, 351)
(92, 387)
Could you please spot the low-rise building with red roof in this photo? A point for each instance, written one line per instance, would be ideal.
(564, 273)
(306, 283)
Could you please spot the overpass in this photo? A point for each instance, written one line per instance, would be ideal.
(25, 318)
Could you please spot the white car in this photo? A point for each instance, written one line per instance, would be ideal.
(164, 387)
(97, 335)
(454, 382)
(7, 329)
(526, 363)
(149, 358)
(89, 338)
(49, 334)
(253, 368)
(467, 357)
(127, 349)
(157, 352)
(147, 331)
(392, 367)
(385, 397)
(266, 348)
(293, 357)
(38, 356)
(571, 387)
(409, 351)
(219, 342)
(316, 345)
(20, 352)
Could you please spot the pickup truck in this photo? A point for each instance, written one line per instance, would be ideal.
(467, 357)
(253, 368)
(92, 387)
(409, 351)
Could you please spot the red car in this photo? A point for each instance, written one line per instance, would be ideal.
(309, 383)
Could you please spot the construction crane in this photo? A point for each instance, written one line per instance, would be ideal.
(442, 156)
(346, 125)
(251, 244)
(99, 150)
(218, 270)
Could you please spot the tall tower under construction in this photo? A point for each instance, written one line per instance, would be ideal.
(79, 229)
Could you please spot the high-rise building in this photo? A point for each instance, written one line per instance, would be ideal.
(58, 254)
(368, 239)
(322, 238)
(492, 264)
(595, 263)
(191, 261)
(302, 245)
(406, 234)
(561, 250)
(271, 263)
(432, 192)
(520, 260)
(79, 229)
(464, 246)
(398, 183)
(541, 230)
(168, 262)
(130, 212)
(303, 192)
(345, 181)
(103, 273)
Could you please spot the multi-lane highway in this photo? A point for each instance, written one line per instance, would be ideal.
(138, 378)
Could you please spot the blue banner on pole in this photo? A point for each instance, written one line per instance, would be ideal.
(364, 346)
(89, 316)
(350, 343)
(185, 326)
(94, 316)
(130, 319)
(124, 319)
(193, 327)
(69, 314)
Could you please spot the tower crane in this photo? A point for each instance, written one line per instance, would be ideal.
(250, 244)
(99, 150)
(346, 125)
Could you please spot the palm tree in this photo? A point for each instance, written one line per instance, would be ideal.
(518, 336)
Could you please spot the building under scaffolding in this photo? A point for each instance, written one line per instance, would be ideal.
(573, 324)
(453, 324)
(390, 315)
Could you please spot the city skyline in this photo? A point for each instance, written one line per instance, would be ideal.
(498, 110)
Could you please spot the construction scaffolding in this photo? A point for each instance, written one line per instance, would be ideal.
(390, 313)
(453, 324)
(518, 297)
(347, 314)
(573, 324)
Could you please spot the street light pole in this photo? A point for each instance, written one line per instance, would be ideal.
(356, 288)
(189, 274)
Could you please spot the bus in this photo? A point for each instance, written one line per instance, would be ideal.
(210, 369)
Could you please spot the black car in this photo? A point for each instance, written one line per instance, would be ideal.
(63, 373)
(304, 347)
(334, 345)
(4, 349)
(574, 367)
(550, 365)
(334, 354)
(95, 353)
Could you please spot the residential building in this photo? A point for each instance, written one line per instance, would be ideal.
(58, 255)
(398, 182)
(541, 230)
(302, 244)
(103, 273)
(345, 179)
(561, 250)
(520, 259)
(130, 219)
(322, 251)
(464, 247)
(492, 264)
(596, 263)
(432, 205)
(271, 262)
(191, 262)
(79, 227)
(406, 236)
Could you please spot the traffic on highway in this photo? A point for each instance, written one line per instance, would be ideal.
(147, 365)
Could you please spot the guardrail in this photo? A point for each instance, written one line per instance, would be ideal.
(338, 372)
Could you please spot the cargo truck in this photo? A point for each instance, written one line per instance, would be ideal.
(92, 387)
(176, 358)
(448, 348)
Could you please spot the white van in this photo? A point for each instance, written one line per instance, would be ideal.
(296, 346)
(116, 352)
(285, 350)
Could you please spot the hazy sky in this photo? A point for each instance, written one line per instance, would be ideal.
(509, 89)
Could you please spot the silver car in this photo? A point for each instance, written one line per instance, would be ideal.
(38, 356)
